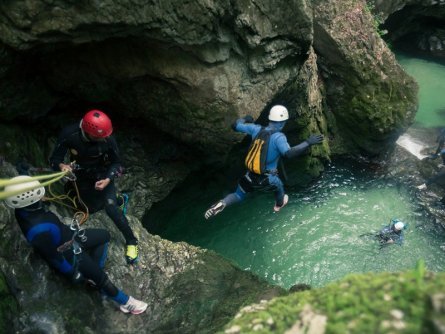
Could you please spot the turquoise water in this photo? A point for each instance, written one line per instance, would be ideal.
(431, 79)
(316, 238)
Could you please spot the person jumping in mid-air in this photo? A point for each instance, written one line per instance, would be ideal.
(268, 145)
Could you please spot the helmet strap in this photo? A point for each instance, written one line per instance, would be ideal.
(34, 207)
(84, 135)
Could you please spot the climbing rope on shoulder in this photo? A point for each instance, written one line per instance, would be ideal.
(54, 177)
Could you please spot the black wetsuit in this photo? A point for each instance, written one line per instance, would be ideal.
(44, 231)
(97, 160)
(389, 233)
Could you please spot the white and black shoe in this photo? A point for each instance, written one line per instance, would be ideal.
(277, 208)
(215, 209)
(134, 306)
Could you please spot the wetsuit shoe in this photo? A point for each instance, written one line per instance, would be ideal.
(277, 208)
(215, 209)
(132, 254)
(134, 306)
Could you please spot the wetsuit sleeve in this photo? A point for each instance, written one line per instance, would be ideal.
(114, 159)
(249, 128)
(60, 150)
(44, 245)
(297, 150)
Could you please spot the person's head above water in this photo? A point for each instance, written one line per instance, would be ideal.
(27, 197)
(399, 226)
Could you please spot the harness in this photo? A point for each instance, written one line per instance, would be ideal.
(257, 154)
(77, 232)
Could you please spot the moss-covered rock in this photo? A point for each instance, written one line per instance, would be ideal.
(188, 289)
(359, 303)
(8, 307)
(369, 94)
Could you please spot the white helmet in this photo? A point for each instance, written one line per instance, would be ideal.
(26, 198)
(399, 226)
(278, 113)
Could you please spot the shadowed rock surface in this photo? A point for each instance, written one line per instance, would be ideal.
(173, 76)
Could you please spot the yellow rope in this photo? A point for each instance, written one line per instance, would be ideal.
(5, 194)
(54, 177)
(86, 214)
(8, 182)
(60, 198)
(81, 216)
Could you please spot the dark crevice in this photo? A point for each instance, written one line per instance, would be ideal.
(417, 30)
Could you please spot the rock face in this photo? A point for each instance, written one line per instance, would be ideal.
(173, 75)
(373, 303)
(415, 25)
(364, 84)
(189, 69)
(188, 289)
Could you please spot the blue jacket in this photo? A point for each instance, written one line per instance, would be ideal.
(278, 145)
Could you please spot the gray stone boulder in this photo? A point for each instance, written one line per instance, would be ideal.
(188, 289)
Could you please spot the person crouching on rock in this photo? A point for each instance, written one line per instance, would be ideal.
(93, 147)
(78, 254)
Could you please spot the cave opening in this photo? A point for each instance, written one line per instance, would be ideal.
(418, 31)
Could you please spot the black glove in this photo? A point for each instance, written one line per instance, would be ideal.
(77, 277)
(314, 139)
(248, 119)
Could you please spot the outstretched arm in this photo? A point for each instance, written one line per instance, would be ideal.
(246, 125)
(114, 158)
(299, 149)
(239, 121)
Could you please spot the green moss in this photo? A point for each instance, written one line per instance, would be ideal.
(215, 289)
(19, 145)
(8, 306)
(362, 303)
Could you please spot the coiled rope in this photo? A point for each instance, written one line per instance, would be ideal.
(80, 215)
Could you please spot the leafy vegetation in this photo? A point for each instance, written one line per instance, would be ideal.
(360, 303)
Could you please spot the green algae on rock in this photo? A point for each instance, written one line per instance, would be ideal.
(359, 303)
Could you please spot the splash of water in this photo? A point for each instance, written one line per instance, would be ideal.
(412, 145)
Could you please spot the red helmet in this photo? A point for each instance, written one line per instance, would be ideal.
(97, 124)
